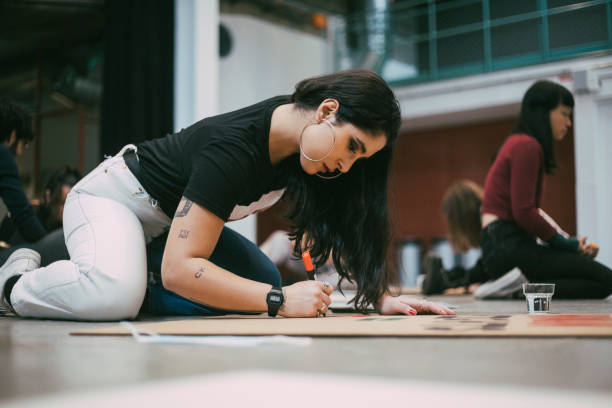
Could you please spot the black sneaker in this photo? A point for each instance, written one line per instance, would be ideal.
(433, 283)
(456, 278)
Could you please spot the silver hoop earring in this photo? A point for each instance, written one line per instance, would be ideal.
(330, 149)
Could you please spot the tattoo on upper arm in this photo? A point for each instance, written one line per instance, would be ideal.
(186, 207)
(183, 234)
(199, 273)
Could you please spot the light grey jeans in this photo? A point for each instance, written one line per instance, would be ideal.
(108, 220)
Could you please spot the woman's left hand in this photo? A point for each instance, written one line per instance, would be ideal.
(411, 306)
(592, 250)
(589, 250)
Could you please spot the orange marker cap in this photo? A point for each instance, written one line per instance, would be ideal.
(307, 261)
(593, 245)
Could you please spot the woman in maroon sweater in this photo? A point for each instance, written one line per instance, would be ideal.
(511, 216)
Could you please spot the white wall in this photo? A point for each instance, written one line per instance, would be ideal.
(593, 129)
(196, 61)
(498, 95)
(265, 60)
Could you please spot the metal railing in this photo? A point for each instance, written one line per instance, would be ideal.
(426, 40)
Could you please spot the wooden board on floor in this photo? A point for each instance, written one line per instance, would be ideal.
(551, 325)
(409, 290)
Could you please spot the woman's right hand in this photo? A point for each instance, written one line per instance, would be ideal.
(306, 299)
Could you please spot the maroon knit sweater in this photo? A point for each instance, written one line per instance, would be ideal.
(514, 184)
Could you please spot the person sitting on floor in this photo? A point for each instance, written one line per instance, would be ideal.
(511, 217)
(49, 209)
(15, 136)
(461, 210)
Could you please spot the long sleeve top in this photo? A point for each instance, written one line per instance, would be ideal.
(11, 191)
(514, 185)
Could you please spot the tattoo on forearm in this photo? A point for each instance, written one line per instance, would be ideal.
(186, 207)
(199, 273)
(183, 234)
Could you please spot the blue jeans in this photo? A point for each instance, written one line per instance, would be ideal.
(233, 252)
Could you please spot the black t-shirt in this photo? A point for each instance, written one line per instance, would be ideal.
(221, 163)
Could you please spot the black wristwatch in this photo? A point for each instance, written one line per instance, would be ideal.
(274, 299)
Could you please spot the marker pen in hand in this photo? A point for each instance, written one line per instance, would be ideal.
(310, 270)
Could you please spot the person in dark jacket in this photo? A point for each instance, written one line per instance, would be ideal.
(49, 210)
(15, 135)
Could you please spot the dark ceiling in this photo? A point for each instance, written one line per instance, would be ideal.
(49, 34)
(56, 34)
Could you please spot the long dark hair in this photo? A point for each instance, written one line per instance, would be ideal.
(347, 216)
(534, 119)
(14, 117)
(51, 200)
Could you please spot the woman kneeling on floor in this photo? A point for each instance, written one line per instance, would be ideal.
(326, 148)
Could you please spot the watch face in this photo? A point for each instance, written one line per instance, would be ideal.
(275, 300)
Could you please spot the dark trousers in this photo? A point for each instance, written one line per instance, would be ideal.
(460, 276)
(51, 248)
(505, 245)
(233, 252)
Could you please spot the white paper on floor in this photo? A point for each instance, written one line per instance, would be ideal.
(147, 336)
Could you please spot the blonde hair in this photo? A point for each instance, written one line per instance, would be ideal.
(461, 209)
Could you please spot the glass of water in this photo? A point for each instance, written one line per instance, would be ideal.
(538, 296)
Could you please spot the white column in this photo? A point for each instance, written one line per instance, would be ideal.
(183, 63)
(206, 58)
(604, 181)
(196, 73)
(585, 152)
(196, 61)
(593, 152)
